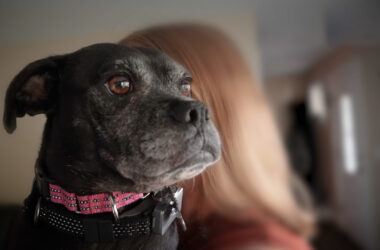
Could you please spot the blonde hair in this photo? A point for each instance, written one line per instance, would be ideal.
(253, 177)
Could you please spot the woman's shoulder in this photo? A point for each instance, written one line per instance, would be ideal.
(220, 233)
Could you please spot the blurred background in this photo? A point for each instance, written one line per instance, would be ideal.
(317, 61)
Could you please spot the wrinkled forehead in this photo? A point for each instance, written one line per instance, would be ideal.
(148, 63)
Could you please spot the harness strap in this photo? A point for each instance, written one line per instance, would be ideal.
(89, 228)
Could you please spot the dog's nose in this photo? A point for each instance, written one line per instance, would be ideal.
(192, 112)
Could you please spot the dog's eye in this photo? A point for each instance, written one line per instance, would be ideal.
(119, 85)
(186, 88)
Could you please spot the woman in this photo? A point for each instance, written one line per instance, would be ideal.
(245, 201)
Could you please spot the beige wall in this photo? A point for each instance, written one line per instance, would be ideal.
(19, 150)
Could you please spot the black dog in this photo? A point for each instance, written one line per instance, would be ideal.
(118, 119)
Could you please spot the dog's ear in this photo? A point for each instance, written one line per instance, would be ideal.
(33, 90)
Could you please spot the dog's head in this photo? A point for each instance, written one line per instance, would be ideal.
(118, 118)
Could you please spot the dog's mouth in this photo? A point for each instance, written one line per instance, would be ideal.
(191, 166)
(188, 161)
(187, 169)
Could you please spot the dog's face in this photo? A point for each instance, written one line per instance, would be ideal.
(119, 118)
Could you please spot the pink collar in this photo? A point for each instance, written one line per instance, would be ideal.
(91, 204)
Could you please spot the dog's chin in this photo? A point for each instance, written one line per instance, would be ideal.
(188, 169)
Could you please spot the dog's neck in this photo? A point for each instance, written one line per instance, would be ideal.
(82, 202)
(142, 219)
(71, 162)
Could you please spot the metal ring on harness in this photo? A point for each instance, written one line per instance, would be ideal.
(114, 208)
(37, 211)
